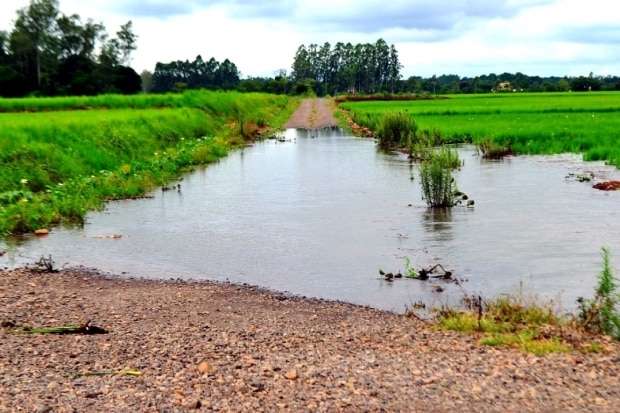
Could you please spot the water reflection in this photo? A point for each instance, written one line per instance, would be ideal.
(438, 224)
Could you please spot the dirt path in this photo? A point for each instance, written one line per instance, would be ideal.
(263, 351)
(313, 114)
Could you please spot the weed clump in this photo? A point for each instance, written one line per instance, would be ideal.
(397, 129)
(493, 150)
(438, 184)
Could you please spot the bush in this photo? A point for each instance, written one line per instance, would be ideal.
(397, 130)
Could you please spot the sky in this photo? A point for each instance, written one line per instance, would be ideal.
(465, 37)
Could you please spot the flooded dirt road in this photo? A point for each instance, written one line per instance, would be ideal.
(319, 216)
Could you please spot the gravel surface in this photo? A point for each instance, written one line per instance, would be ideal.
(209, 346)
(313, 114)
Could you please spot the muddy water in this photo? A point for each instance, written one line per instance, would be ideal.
(318, 216)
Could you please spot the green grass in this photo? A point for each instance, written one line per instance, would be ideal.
(214, 102)
(509, 322)
(587, 123)
(56, 166)
(513, 321)
(436, 180)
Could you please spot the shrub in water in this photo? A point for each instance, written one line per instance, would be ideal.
(397, 129)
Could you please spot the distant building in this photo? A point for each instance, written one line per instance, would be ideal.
(503, 87)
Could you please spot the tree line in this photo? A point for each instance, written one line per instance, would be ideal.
(198, 74)
(50, 53)
(359, 68)
(507, 82)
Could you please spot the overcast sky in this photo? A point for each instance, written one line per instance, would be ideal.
(466, 37)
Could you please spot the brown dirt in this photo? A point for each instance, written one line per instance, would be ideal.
(223, 347)
(313, 114)
(608, 186)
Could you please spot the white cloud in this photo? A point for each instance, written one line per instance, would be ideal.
(466, 37)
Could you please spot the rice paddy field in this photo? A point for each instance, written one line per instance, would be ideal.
(61, 157)
(587, 123)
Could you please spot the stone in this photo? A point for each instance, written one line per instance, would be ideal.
(291, 375)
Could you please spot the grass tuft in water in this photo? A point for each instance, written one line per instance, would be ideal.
(438, 184)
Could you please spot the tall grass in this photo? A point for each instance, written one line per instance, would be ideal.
(214, 102)
(396, 130)
(438, 184)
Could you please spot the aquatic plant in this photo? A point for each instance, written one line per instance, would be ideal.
(410, 272)
(396, 129)
(447, 158)
(438, 184)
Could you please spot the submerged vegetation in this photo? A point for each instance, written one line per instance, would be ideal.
(512, 321)
(56, 166)
(551, 123)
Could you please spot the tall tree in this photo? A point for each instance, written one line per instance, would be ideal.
(34, 35)
(393, 69)
(126, 42)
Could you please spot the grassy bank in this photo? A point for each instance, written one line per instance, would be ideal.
(56, 166)
(527, 123)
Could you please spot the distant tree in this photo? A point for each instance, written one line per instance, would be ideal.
(345, 67)
(49, 53)
(585, 84)
(125, 80)
(77, 39)
(126, 40)
(393, 69)
(147, 81)
(227, 75)
(32, 40)
(178, 75)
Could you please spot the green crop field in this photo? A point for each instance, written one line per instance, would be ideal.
(587, 123)
(61, 157)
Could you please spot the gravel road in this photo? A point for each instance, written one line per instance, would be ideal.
(209, 346)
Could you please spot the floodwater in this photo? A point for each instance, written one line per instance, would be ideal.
(320, 215)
